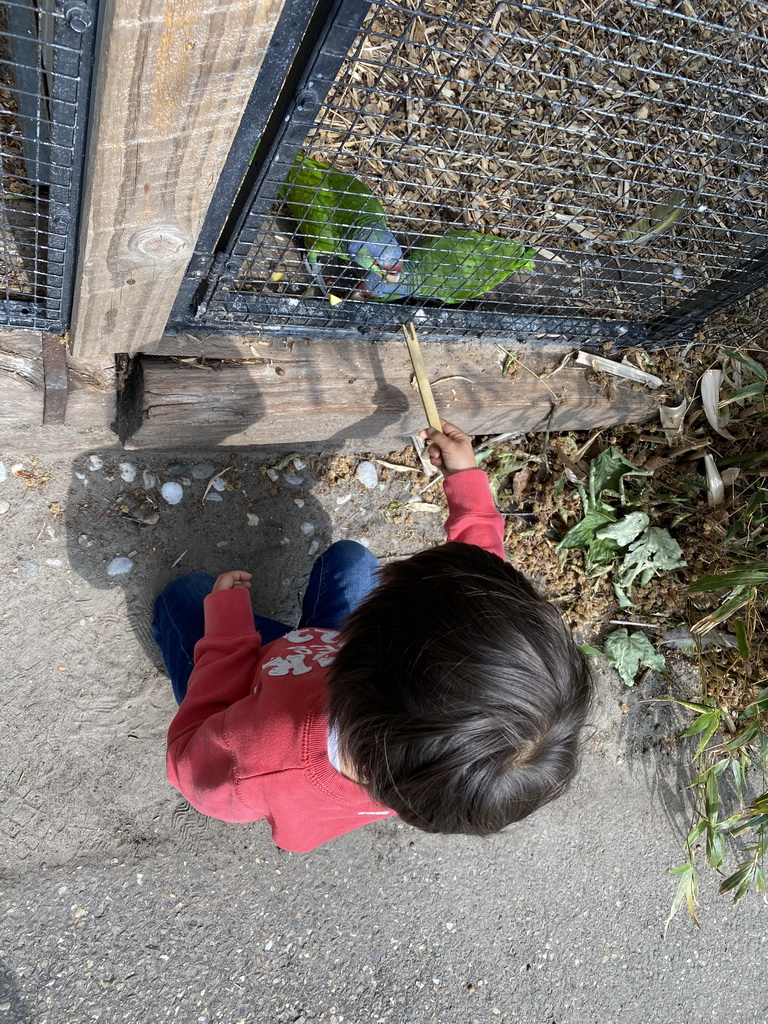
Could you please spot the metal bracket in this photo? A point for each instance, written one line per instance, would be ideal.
(55, 377)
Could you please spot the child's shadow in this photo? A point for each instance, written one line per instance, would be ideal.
(121, 703)
(123, 534)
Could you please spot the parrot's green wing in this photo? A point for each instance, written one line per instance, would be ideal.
(328, 205)
(463, 265)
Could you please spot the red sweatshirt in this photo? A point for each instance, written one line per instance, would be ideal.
(249, 740)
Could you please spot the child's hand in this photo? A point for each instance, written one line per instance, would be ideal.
(235, 580)
(449, 451)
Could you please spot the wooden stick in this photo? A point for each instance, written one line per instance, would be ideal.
(427, 398)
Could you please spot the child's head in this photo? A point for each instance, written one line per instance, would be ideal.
(458, 694)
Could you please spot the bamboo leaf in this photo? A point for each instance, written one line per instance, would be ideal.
(748, 391)
(687, 892)
(696, 831)
(695, 705)
(740, 629)
(743, 737)
(739, 597)
(741, 880)
(752, 364)
(703, 722)
(749, 574)
(715, 848)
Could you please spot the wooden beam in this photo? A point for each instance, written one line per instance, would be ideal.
(90, 385)
(174, 78)
(357, 393)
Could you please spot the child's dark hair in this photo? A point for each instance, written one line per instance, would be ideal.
(458, 694)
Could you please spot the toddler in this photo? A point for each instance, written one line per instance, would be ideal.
(441, 688)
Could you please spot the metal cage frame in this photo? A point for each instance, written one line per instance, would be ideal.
(49, 51)
(312, 42)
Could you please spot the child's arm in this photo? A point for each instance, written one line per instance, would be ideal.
(472, 514)
(199, 760)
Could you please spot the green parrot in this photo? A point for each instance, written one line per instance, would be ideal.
(452, 268)
(340, 217)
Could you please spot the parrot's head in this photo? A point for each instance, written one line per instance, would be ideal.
(376, 249)
(381, 288)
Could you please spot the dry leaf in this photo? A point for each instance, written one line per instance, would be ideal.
(656, 221)
(422, 506)
(715, 488)
(673, 416)
(710, 399)
(623, 369)
(395, 467)
(655, 462)
(521, 481)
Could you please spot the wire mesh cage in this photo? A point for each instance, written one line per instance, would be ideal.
(472, 164)
(45, 59)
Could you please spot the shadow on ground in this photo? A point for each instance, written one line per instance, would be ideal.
(651, 725)
(126, 542)
(12, 1006)
(122, 532)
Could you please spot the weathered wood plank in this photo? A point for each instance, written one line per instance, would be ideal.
(174, 77)
(90, 384)
(355, 393)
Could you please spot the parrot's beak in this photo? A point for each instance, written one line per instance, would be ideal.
(390, 271)
(393, 273)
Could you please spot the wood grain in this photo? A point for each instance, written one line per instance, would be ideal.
(91, 386)
(173, 81)
(354, 394)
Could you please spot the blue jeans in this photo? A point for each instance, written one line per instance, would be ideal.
(340, 579)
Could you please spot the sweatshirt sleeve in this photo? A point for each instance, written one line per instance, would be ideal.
(472, 514)
(199, 759)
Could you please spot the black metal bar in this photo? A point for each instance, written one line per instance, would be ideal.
(744, 279)
(72, 52)
(293, 32)
(280, 317)
(26, 55)
(287, 129)
(17, 313)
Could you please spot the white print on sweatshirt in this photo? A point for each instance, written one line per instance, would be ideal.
(320, 649)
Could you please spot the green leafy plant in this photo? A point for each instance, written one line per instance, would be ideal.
(617, 536)
(726, 767)
(628, 652)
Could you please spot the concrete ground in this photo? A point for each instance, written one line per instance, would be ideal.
(119, 903)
